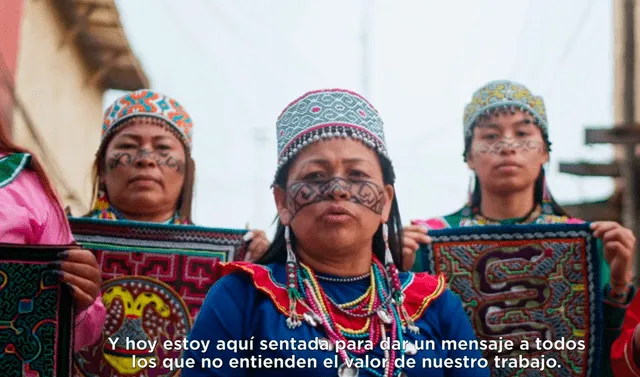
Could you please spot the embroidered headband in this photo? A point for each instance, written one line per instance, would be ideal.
(504, 95)
(324, 114)
(147, 103)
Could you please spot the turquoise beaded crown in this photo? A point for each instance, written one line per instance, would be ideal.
(503, 95)
(324, 114)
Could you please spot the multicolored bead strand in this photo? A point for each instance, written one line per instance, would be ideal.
(376, 301)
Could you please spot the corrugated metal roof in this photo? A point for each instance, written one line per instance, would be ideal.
(95, 25)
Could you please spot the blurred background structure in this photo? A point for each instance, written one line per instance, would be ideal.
(624, 133)
(57, 58)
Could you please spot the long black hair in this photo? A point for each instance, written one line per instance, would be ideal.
(277, 252)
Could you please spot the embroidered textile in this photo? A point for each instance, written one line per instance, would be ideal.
(525, 283)
(36, 319)
(155, 279)
(146, 102)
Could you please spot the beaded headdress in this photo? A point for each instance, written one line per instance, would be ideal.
(148, 103)
(324, 114)
(504, 95)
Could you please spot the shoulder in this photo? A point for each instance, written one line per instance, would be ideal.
(30, 209)
(421, 290)
(451, 220)
(268, 279)
(555, 219)
(428, 299)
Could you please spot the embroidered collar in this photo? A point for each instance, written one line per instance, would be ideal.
(105, 211)
(11, 166)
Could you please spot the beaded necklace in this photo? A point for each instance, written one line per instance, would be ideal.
(381, 308)
(103, 210)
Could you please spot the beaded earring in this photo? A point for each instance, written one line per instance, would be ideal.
(293, 320)
(547, 207)
(395, 285)
(102, 201)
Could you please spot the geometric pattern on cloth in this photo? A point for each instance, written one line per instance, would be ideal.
(523, 283)
(155, 279)
(36, 317)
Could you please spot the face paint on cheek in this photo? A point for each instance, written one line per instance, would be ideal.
(507, 144)
(365, 193)
(119, 159)
(171, 162)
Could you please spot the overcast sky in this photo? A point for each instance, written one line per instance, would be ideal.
(235, 64)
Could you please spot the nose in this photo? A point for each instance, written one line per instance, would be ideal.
(336, 189)
(507, 146)
(145, 159)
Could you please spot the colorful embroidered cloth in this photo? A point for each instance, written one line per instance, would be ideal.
(155, 279)
(36, 319)
(529, 284)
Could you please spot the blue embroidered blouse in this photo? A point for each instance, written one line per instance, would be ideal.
(247, 332)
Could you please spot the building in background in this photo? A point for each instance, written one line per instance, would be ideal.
(58, 59)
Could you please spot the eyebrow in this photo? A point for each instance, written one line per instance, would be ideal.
(489, 125)
(139, 137)
(522, 122)
(326, 162)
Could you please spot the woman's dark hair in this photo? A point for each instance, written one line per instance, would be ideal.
(538, 192)
(277, 252)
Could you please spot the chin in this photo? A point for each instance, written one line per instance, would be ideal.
(508, 185)
(146, 200)
(337, 238)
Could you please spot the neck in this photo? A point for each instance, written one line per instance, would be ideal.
(153, 217)
(345, 263)
(500, 206)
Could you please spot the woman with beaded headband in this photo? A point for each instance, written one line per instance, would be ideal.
(143, 169)
(31, 214)
(329, 285)
(506, 146)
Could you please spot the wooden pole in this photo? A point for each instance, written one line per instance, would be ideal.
(630, 209)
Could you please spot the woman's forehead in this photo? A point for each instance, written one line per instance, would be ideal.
(504, 119)
(145, 130)
(336, 150)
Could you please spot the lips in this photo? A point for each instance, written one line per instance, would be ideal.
(143, 177)
(336, 210)
(507, 164)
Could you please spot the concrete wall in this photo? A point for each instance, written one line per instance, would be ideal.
(52, 83)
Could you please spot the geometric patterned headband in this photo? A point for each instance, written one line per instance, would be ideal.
(504, 95)
(327, 113)
(147, 103)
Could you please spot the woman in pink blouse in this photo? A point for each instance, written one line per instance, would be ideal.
(31, 214)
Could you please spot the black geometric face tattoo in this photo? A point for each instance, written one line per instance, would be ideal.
(365, 193)
(499, 146)
(161, 159)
